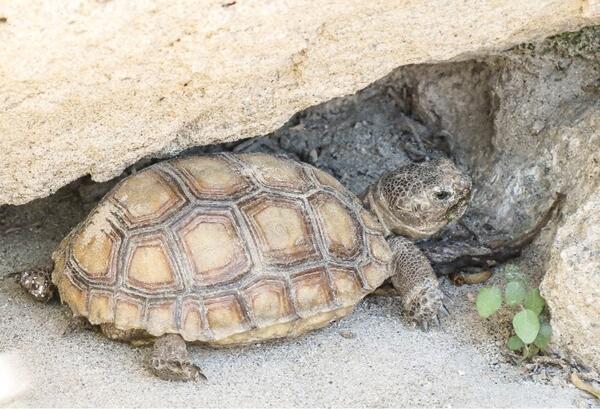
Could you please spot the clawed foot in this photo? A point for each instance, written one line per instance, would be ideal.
(38, 283)
(176, 370)
(170, 360)
(425, 307)
(75, 325)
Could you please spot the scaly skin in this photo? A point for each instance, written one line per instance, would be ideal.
(416, 283)
(170, 360)
(414, 202)
(38, 283)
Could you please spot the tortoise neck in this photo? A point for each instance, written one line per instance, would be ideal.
(371, 204)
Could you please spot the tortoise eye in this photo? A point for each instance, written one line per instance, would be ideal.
(442, 195)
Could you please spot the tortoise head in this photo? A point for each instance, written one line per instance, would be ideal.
(419, 199)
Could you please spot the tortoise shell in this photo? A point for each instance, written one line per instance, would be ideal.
(223, 249)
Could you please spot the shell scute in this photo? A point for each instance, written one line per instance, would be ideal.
(95, 247)
(225, 315)
(213, 177)
(269, 300)
(325, 179)
(192, 325)
(346, 284)
(213, 244)
(375, 274)
(150, 267)
(147, 197)
(128, 313)
(100, 307)
(341, 230)
(161, 317)
(282, 230)
(73, 293)
(311, 291)
(274, 172)
(379, 248)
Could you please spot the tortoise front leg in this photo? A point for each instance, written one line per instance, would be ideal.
(170, 360)
(416, 283)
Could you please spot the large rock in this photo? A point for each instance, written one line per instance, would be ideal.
(572, 283)
(91, 87)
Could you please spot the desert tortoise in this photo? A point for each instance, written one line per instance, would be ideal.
(231, 249)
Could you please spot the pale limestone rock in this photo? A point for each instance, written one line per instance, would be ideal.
(571, 285)
(90, 87)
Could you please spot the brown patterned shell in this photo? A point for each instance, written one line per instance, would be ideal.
(223, 249)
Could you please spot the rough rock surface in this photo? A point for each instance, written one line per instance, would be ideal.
(572, 283)
(91, 87)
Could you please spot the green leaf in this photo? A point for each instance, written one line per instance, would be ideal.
(527, 325)
(514, 343)
(534, 301)
(543, 337)
(488, 301)
(515, 293)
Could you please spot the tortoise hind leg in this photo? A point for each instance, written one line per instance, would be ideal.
(38, 283)
(416, 283)
(170, 360)
(75, 325)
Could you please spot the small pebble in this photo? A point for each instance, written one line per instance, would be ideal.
(537, 126)
(347, 334)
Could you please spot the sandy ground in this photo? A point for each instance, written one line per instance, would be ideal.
(371, 358)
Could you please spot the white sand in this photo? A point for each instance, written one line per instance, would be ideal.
(386, 364)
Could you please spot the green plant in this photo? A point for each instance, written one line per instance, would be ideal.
(531, 333)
